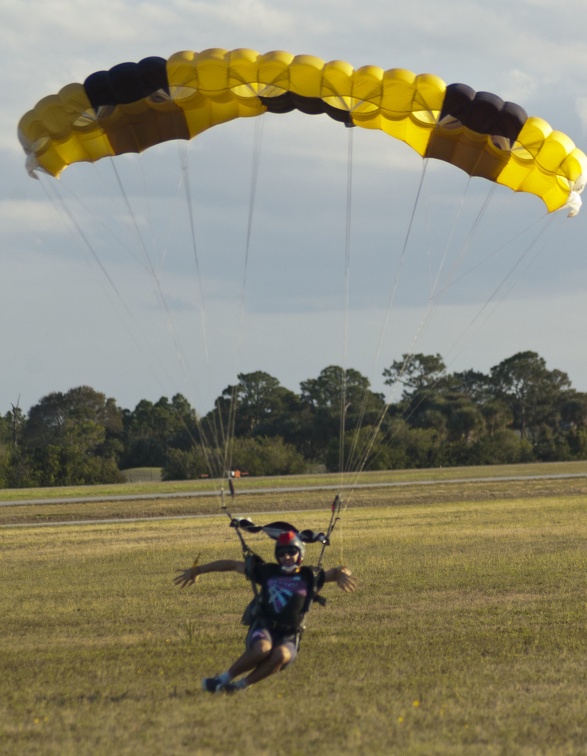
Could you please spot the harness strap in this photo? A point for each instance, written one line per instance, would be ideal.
(248, 553)
(334, 518)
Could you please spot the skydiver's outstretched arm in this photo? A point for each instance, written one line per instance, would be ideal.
(189, 576)
(343, 577)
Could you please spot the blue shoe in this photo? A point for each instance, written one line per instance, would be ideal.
(231, 688)
(212, 684)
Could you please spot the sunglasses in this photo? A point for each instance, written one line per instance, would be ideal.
(288, 551)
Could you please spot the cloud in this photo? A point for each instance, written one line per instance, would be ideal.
(36, 216)
(581, 107)
(95, 317)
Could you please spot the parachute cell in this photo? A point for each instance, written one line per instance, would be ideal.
(135, 106)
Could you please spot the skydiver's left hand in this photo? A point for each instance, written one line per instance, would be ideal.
(345, 580)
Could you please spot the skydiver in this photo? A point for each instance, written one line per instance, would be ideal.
(286, 592)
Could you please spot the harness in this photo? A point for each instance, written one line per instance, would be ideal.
(252, 610)
(255, 610)
(274, 529)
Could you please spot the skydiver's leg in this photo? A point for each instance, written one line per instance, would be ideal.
(255, 655)
(261, 659)
(282, 654)
(278, 658)
(258, 647)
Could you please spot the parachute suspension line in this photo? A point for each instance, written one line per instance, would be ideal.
(151, 269)
(433, 299)
(550, 220)
(452, 279)
(187, 184)
(477, 316)
(58, 202)
(346, 309)
(209, 453)
(367, 448)
(466, 246)
(435, 292)
(337, 503)
(347, 460)
(208, 447)
(508, 275)
(256, 161)
(108, 228)
(402, 257)
(62, 208)
(139, 235)
(213, 465)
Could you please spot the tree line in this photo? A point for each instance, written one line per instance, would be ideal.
(518, 412)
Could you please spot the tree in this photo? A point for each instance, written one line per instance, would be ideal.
(258, 456)
(497, 416)
(533, 393)
(267, 456)
(504, 447)
(416, 372)
(151, 429)
(464, 419)
(338, 400)
(257, 398)
(5, 450)
(473, 384)
(72, 438)
(81, 416)
(364, 449)
(520, 411)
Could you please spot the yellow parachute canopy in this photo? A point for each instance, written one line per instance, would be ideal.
(137, 105)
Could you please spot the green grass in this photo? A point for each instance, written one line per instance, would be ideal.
(466, 636)
(145, 482)
(274, 496)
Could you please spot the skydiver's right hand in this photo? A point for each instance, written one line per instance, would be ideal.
(188, 577)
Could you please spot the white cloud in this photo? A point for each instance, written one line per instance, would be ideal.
(36, 216)
(581, 106)
(68, 325)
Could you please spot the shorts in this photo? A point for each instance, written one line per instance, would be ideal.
(259, 631)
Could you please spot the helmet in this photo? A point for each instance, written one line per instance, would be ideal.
(290, 540)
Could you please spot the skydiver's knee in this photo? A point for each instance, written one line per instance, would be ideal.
(281, 655)
(262, 647)
(259, 641)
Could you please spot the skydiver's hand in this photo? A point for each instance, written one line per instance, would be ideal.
(188, 577)
(345, 580)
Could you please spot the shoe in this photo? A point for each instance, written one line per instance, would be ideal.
(230, 688)
(212, 684)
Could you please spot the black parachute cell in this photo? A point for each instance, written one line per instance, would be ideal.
(457, 101)
(288, 101)
(127, 82)
(483, 112)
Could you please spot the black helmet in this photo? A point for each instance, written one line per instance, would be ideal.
(290, 540)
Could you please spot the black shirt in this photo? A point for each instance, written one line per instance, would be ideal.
(285, 598)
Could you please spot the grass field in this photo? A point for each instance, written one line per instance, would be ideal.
(138, 485)
(466, 636)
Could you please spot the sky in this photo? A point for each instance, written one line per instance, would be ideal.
(313, 244)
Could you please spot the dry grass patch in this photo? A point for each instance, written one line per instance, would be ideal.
(466, 637)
